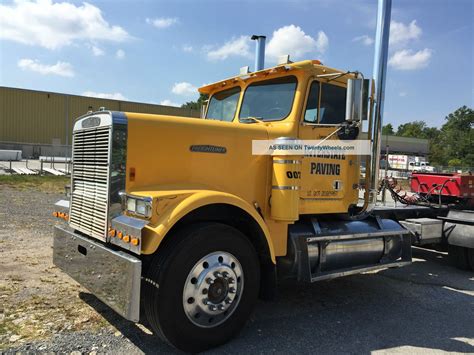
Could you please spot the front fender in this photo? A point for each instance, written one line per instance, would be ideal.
(170, 206)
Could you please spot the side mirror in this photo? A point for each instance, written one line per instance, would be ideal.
(357, 99)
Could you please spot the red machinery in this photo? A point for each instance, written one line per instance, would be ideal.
(446, 187)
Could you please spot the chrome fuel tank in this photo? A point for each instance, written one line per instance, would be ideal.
(319, 248)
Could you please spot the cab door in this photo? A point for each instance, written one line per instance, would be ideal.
(326, 177)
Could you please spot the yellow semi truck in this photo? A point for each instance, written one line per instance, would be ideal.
(174, 219)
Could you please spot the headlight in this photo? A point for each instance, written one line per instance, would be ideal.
(131, 204)
(140, 206)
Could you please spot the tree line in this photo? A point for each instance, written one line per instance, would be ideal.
(450, 145)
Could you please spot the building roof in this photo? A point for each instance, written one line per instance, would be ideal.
(403, 145)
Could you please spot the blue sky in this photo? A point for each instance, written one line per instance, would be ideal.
(159, 52)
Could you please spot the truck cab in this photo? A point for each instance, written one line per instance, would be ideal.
(180, 218)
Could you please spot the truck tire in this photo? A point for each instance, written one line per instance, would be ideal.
(202, 287)
(470, 255)
(458, 257)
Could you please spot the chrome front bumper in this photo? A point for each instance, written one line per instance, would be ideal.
(112, 276)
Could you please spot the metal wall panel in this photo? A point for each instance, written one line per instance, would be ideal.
(31, 116)
(157, 109)
(39, 117)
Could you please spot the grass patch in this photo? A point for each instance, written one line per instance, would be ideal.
(6, 326)
(43, 183)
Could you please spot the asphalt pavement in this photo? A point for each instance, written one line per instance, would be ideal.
(427, 307)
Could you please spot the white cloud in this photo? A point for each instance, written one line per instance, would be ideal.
(184, 88)
(169, 103)
(235, 47)
(60, 68)
(294, 41)
(120, 54)
(322, 42)
(162, 22)
(112, 96)
(401, 33)
(406, 59)
(364, 39)
(187, 48)
(54, 25)
(97, 51)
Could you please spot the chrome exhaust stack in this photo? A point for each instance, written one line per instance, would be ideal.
(375, 126)
(259, 52)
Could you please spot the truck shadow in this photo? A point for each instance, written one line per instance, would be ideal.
(427, 305)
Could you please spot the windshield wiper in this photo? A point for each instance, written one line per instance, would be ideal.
(252, 119)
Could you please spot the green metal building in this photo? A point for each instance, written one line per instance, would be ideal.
(40, 122)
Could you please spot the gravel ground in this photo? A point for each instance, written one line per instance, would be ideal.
(427, 307)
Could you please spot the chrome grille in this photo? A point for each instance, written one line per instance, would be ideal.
(90, 181)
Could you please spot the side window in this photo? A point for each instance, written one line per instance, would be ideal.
(311, 113)
(333, 104)
(223, 105)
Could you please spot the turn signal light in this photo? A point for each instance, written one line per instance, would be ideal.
(61, 215)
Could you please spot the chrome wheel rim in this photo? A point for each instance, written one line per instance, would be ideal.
(213, 289)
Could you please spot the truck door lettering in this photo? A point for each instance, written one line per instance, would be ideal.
(293, 174)
(325, 169)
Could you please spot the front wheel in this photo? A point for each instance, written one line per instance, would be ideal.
(203, 287)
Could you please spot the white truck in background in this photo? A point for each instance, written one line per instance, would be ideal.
(409, 163)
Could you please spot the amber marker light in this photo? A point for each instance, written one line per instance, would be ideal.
(135, 241)
(112, 232)
(126, 239)
(119, 234)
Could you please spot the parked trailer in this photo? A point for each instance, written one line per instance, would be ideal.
(10, 155)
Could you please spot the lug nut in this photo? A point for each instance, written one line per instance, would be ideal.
(232, 290)
(217, 274)
(225, 274)
(231, 280)
(220, 307)
(212, 308)
(228, 301)
(205, 301)
(209, 281)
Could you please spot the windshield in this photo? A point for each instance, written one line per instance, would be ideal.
(269, 100)
(223, 105)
